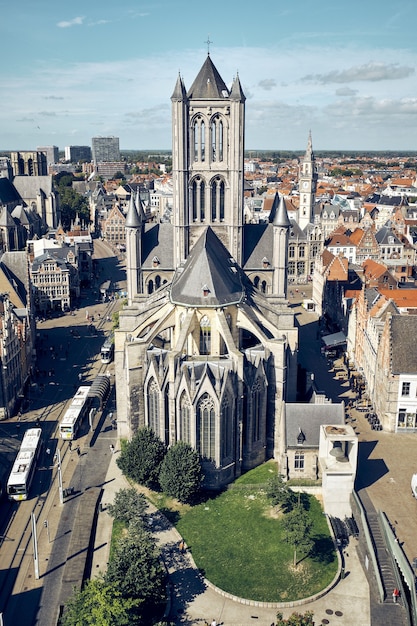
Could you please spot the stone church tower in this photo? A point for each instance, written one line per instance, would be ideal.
(206, 349)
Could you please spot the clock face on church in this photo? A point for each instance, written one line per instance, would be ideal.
(305, 184)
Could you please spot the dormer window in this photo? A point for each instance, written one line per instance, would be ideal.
(206, 290)
(155, 261)
(265, 262)
(301, 437)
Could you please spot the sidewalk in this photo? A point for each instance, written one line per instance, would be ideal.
(193, 602)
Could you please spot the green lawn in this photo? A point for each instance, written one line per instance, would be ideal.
(236, 540)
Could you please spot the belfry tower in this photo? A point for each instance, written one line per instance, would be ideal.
(307, 186)
(207, 161)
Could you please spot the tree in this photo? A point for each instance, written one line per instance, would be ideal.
(297, 530)
(181, 474)
(296, 619)
(136, 570)
(280, 494)
(141, 459)
(99, 604)
(128, 505)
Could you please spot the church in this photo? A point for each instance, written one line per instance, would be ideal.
(206, 349)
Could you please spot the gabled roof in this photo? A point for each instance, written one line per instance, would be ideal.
(403, 298)
(403, 331)
(339, 239)
(383, 234)
(8, 193)
(373, 270)
(308, 418)
(209, 277)
(208, 83)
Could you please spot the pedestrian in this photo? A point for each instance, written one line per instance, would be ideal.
(213, 623)
(395, 595)
(78, 451)
(112, 448)
(181, 547)
(70, 446)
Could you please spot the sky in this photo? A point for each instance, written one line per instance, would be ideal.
(346, 71)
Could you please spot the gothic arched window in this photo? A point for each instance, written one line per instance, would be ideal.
(150, 286)
(153, 406)
(157, 282)
(199, 132)
(217, 139)
(256, 402)
(217, 200)
(205, 335)
(206, 427)
(198, 191)
(227, 429)
(185, 419)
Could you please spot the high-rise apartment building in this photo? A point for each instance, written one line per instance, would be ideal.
(75, 154)
(105, 149)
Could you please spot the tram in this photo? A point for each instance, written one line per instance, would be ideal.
(24, 466)
(107, 350)
(75, 413)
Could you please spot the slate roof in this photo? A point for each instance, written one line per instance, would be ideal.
(133, 217)
(157, 241)
(29, 186)
(8, 193)
(257, 238)
(14, 267)
(308, 418)
(209, 277)
(50, 254)
(208, 83)
(384, 233)
(403, 334)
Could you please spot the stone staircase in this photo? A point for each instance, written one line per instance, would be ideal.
(387, 613)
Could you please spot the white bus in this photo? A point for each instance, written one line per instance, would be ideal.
(75, 413)
(24, 466)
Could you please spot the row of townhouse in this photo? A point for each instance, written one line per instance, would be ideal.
(378, 315)
(17, 332)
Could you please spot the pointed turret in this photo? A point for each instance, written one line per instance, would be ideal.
(133, 227)
(281, 214)
(133, 217)
(281, 224)
(180, 92)
(237, 91)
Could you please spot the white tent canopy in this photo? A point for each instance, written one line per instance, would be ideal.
(332, 341)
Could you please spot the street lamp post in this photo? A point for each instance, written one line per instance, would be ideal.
(61, 493)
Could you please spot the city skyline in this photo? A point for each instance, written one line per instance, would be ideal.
(90, 70)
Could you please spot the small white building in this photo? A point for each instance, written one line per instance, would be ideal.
(338, 457)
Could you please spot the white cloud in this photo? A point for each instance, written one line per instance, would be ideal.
(77, 21)
(267, 83)
(369, 72)
(346, 91)
(130, 98)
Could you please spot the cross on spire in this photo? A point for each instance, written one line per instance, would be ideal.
(208, 42)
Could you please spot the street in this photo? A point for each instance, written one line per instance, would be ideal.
(68, 349)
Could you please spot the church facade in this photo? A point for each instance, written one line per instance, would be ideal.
(206, 349)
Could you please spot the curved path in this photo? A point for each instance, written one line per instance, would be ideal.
(194, 602)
